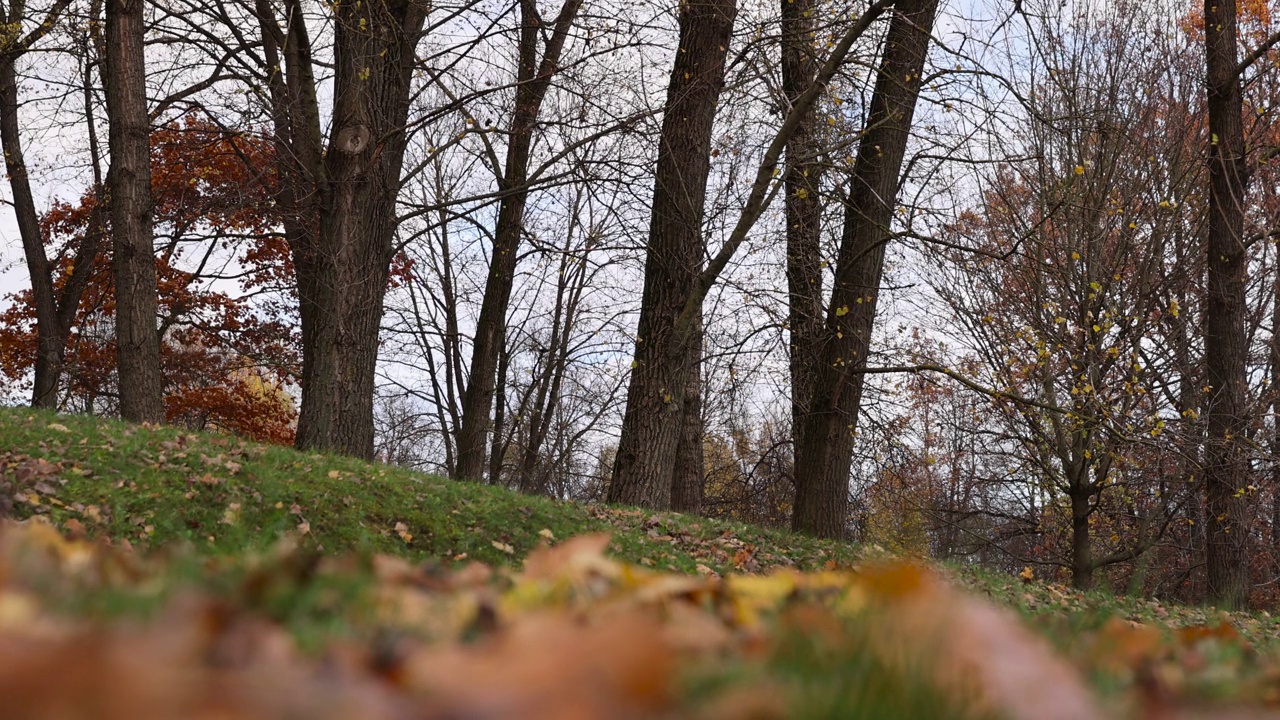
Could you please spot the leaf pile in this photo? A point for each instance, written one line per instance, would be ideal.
(573, 634)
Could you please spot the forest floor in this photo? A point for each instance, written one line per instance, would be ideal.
(151, 572)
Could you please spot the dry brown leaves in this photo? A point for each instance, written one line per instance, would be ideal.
(575, 635)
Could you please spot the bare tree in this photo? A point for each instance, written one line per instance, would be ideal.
(804, 208)
(55, 309)
(823, 457)
(1228, 512)
(534, 77)
(339, 198)
(664, 370)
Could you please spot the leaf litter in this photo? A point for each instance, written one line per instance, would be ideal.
(572, 634)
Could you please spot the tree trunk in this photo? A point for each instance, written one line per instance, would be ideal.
(534, 78)
(687, 475)
(129, 188)
(1226, 467)
(499, 449)
(50, 339)
(339, 200)
(1275, 418)
(1081, 547)
(803, 213)
(52, 324)
(652, 425)
(825, 447)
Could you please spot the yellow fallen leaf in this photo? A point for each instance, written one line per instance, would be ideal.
(17, 609)
(231, 515)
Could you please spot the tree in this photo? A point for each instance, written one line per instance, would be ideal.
(825, 447)
(533, 79)
(129, 188)
(804, 209)
(338, 197)
(225, 357)
(52, 315)
(664, 370)
(646, 453)
(1072, 288)
(1229, 515)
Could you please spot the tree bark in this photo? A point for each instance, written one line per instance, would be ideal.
(803, 213)
(1275, 419)
(339, 198)
(129, 188)
(687, 475)
(825, 450)
(1081, 548)
(534, 79)
(652, 425)
(1226, 469)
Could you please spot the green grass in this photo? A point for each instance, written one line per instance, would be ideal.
(222, 496)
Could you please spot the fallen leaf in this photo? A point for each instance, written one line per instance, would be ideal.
(403, 531)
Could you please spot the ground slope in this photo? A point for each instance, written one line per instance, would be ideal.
(160, 571)
(157, 486)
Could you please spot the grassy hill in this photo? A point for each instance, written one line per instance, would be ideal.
(337, 553)
(158, 486)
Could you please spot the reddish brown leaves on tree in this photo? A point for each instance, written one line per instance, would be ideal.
(226, 353)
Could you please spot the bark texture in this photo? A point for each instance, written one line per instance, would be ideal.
(1225, 343)
(687, 486)
(339, 199)
(662, 373)
(129, 191)
(825, 450)
(803, 213)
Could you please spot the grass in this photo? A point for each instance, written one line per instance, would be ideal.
(213, 513)
(213, 510)
(161, 486)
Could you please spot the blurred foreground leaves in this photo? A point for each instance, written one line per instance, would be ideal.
(573, 634)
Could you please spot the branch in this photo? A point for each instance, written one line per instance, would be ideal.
(1257, 55)
(760, 194)
(50, 19)
(972, 385)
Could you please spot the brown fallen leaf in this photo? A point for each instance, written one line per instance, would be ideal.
(551, 667)
(975, 648)
(571, 560)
